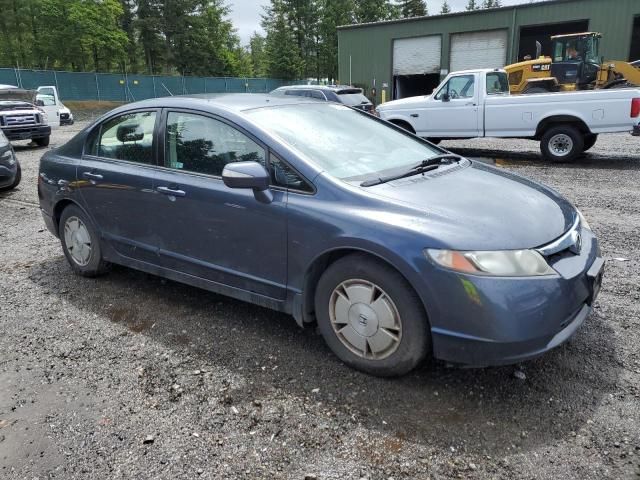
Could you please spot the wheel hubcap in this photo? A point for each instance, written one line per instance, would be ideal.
(365, 319)
(561, 144)
(77, 240)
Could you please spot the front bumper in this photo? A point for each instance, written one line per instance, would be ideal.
(483, 321)
(27, 133)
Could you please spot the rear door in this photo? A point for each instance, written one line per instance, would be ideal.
(207, 229)
(115, 179)
(453, 110)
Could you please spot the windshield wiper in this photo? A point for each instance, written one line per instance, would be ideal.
(424, 166)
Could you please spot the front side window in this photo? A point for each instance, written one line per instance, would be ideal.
(199, 144)
(461, 86)
(341, 141)
(497, 83)
(127, 137)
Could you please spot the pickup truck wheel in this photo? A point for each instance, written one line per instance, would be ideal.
(435, 141)
(371, 317)
(42, 142)
(80, 243)
(589, 141)
(404, 125)
(562, 144)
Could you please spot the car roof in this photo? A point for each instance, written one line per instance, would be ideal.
(332, 88)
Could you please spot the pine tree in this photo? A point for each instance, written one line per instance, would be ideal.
(412, 8)
(472, 5)
(445, 8)
(366, 11)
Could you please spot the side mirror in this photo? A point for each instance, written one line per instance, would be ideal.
(248, 175)
(39, 103)
(446, 97)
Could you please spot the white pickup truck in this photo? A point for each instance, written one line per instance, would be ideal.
(477, 103)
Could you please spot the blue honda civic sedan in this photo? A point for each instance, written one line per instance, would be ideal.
(398, 249)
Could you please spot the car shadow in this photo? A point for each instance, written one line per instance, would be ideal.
(587, 160)
(483, 411)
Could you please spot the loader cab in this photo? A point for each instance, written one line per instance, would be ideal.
(575, 59)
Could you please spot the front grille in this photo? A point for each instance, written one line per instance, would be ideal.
(22, 120)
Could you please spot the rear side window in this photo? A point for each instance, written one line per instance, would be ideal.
(295, 93)
(497, 83)
(199, 144)
(126, 137)
(317, 94)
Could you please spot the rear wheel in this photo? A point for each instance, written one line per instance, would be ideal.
(562, 143)
(42, 142)
(80, 243)
(589, 141)
(370, 317)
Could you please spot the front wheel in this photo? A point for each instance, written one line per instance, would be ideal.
(562, 144)
(80, 243)
(42, 142)
(16, 180)
(435, 141)
(370, 317)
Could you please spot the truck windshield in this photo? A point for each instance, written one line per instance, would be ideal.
(341, 141)
(497, 83)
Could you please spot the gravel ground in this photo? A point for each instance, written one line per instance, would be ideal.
(132, 376)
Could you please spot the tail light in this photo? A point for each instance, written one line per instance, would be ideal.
(635, 108)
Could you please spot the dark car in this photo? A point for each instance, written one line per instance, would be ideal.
(10, 172)
(350, 96)
(398, 249)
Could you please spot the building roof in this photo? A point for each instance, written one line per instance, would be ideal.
(454, 14)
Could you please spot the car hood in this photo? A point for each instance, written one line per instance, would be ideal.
(402, 103)
(478, 207)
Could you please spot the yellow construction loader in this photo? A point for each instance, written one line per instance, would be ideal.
(575, 65)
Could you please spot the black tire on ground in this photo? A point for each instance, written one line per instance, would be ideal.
(435, 141)
(16, 181)
(531, 90)
(42, 142)
(415, 340)
(590, 140)
(96, 265)
(562, 143)
(404, 125)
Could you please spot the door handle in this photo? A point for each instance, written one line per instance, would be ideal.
(171, 191)
(415, 115)
(470, 105)
(92, 176)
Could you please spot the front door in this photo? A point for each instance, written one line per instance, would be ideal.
(207, 229)
(115, 180)
(453, 110)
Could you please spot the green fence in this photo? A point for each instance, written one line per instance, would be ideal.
(129, 88)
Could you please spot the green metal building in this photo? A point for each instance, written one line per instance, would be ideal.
(409, 57)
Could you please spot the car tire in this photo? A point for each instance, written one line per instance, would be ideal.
(589, 141)
(81, 243)
(351, 324)
(42, 142)
(404, 125)
(435, 141)
(562, 143)
(16, 180)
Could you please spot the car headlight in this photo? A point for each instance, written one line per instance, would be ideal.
(8, 158)
(583, 221)
(507, 263)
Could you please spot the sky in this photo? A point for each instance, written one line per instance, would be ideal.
(245, 14)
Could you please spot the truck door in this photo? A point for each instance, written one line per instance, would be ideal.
(455, 111)
(47, 99)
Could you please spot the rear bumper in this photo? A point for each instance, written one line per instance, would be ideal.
(636, 130)
(26, 133)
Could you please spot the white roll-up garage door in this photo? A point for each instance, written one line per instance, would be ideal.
(415, 56)
(478, 50)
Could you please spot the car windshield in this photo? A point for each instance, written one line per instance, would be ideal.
(346, 144)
